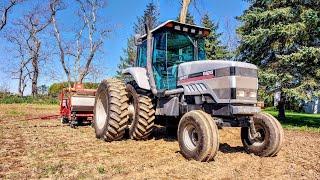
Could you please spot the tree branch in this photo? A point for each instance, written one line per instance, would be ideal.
(6, 10)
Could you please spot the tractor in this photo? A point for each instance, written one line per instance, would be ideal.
(172, 79)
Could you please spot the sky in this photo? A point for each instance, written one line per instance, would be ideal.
(122, 14)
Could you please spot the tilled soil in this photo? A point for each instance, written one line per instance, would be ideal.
(46, 149)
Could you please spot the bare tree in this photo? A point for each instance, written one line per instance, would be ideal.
(184, 10)
(22, 73)
(34, 22)
(5, 11)
(85, 49)
(55, 5)
(231, 39)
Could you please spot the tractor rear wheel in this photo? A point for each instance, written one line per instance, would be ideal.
(198, 136)
(269, 136)
(141, 112)
(111, 110)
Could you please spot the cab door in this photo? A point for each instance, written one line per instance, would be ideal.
(159, 61)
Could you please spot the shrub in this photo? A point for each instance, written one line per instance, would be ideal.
(56, 88)
(11, 99)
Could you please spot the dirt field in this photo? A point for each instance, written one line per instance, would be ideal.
(45, 148)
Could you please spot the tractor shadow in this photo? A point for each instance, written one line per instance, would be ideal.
(227, 149)
(160, 133)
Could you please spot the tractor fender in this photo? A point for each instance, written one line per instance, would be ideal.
(139, 74)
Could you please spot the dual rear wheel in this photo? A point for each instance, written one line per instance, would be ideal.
(120, 108)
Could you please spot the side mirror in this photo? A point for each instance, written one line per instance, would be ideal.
(137, 39)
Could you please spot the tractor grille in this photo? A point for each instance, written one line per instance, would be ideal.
(199, 87)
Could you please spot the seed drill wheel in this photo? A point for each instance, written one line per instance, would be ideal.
(141, 112)
(111, 110)
(198, 136)
(269, 136)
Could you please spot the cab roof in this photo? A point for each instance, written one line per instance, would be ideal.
(185, 28)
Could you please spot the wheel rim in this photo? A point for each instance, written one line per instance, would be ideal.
(100, 114)
(191, 137)
(131, 109)
(260, 139)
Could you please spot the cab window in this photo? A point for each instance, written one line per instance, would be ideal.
(142, 55)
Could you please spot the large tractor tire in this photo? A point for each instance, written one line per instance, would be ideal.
(141, 112)
(270, 136)
(198, 136)
(111, 110)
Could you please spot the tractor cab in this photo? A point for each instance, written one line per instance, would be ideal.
(173, 43)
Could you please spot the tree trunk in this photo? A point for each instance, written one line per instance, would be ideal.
(281, 107)
(184, 10)
(316, 105)
(20, 87)
(35, 67)
(35, 75)
(59, 41)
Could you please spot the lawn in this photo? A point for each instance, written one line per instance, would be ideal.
(299, 121)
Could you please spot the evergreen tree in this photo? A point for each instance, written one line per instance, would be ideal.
(128, 58)
(129, 53)
(152, 13)
(214, 49)
(189, 19)
(282, 38)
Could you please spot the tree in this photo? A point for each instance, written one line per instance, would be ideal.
(128, 58)
(214, 49)
(189, 19)
(184, 11)
(43, 89)
(19, 42)
(85, 49)
(5, 11)
(56, 88)
(33, 23)
(151, 12)
(282, 38)
(129, 53)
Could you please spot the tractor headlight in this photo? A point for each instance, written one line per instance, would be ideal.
(240, 93)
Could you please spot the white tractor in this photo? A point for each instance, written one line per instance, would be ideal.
(172, 78)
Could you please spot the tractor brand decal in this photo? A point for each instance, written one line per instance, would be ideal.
(208, 72)
(197, 76)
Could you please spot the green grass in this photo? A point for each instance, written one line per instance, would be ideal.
(299, 121)
(14, 99)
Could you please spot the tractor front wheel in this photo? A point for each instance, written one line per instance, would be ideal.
(198, 136)
(111, 110)
(269, 136)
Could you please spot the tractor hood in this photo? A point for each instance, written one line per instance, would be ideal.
(188, 69)
(225, 81)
